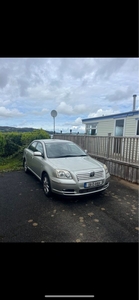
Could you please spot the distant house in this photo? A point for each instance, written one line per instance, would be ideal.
(122, 124)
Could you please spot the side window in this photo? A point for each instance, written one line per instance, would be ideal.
(32, 146)
(91, 129)
(119, 127)
(39, 147)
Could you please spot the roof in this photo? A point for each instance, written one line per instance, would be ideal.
(114, 116)
(52, 140)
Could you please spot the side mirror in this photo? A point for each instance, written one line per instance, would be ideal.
(85, 150)
(37, 153)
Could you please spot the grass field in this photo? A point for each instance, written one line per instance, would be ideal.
(11, 163)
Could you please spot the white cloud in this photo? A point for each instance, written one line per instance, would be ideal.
(108, 66)
(4, 112)
(67, 109)
(39, 92)
(4, 102)
(64, 108)
(80, 108)
(42, 112)
(76, 87)
(78, 122)
(102, 112)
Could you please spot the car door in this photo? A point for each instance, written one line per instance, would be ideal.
(37, 161)
(29, 153)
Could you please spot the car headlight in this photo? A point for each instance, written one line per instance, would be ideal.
(63, 174)
(106, 169)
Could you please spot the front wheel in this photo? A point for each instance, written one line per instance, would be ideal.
(46, 185)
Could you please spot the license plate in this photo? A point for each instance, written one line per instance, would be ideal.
(93, 183)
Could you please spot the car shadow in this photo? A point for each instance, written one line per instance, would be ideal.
(96, 197)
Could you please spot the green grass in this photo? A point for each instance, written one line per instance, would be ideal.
(11, 163)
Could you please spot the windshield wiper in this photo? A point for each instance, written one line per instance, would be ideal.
(54, 156)
(73, 155)
(68, 155)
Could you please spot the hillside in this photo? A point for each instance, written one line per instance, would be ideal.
(18, 129)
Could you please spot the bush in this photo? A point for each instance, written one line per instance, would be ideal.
(13, 142)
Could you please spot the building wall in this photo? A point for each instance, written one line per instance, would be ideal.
(105, 126)
(130, 129)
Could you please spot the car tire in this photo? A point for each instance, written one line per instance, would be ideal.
(46, 185)
(25, 166)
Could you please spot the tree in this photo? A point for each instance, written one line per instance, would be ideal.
(28, 137)
(2, 144)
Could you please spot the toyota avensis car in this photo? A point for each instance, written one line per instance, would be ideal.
(64, 168)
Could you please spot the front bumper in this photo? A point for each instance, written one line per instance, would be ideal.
(72, 188)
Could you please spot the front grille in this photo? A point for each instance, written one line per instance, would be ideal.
(86, 176)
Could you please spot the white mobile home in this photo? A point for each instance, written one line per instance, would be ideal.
(122, 124)
(123, 129)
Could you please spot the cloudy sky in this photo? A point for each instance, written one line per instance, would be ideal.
(77, 88)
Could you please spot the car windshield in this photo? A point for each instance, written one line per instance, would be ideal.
(59, 150)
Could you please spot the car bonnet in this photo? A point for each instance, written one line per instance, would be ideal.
(75, 163)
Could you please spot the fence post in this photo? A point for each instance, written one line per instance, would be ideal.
(85, 142)
(108, 144)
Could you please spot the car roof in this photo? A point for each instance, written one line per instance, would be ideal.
(53, 141)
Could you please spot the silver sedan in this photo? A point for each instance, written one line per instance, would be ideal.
(64, 168)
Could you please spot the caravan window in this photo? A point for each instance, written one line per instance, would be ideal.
(119, 127)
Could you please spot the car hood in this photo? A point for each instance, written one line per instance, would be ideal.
(76, 163)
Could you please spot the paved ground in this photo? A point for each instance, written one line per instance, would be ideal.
(86, 265)
(27, 215)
